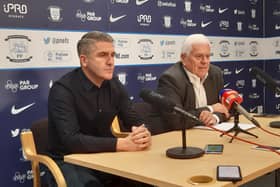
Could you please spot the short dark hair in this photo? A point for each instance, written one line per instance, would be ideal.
(89, 39)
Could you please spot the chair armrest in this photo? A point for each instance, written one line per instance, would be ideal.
(52, 166)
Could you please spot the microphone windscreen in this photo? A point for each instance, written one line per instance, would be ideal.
(228, 97)
(157, 100)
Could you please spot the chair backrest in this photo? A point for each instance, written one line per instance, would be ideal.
(40, 133)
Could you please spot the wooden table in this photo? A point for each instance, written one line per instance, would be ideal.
(153, 167)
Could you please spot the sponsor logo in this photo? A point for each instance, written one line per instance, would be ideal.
(141, 2)
(253, 2)
(121, 43)
(239, 26)
(253, 27)
(23, 177)
(50, 83)
(167, 42)
(253, 13)
(16, 111)
(203, 24)
(224, 24)
(222, 10)
(55, 13)
(276, 12)
(21, 85)
(122, 78)
(277, 95)
(120, 1)
(224, 51)
(144, 19)
(187, 23)
(18, 48)
(15, 10)
(15, 132)
(145, 49)
(277, 27)
(88, 1)
(237, 71)
(55, 41)
(168, 54)
(277, 106)
(87, 16)
(146, 77)
(254, 109)
(121, 56)
(240, 83)
(253, 49)
(167, 21)
(166, 4)
(188, 6)
(239, 12)
(227, 72)
(206, 8)
(57, 56)
(254, 96)
(226, 85)
(115, 19)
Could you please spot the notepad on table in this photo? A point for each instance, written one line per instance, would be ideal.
(225, 126)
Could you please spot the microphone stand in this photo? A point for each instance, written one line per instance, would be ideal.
(236, 128)
(184, 152)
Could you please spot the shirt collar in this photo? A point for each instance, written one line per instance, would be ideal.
(86, 83)
(194, 78)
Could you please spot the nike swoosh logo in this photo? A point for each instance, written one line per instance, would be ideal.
(237, 71)
(114, 19)
(203, 25)
(222, 10)
(277, 27)
(141, 2)
(226, 85)
(253, 109)
(16, 111)
(277, 95)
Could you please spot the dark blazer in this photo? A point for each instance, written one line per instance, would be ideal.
(176, 86)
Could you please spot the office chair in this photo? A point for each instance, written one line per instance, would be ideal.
(34, 148)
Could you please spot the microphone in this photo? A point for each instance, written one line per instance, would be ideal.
(164, 104)
(167, 105)
(266, 79)
(231, 100)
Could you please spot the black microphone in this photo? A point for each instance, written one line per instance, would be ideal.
(165, 104)
(157, 100)
(266, 79)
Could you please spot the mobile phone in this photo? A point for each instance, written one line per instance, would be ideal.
(229, 173)
(214, 148)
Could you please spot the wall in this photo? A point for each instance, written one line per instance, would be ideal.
(38, 45)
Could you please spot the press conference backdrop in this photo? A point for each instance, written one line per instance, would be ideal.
(38, 45)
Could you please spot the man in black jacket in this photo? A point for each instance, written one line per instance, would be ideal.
(81, 108)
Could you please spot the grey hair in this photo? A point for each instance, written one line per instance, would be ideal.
(89, 39)
(193, 39)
